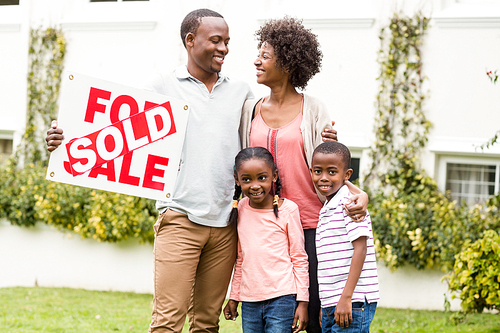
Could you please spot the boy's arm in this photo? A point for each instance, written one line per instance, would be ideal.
(343, 310)
(359, 209)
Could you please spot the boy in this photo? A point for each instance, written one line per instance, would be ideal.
(347, 271)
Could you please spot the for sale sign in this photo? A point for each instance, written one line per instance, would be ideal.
(118, 138)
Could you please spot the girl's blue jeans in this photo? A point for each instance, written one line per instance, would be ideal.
(269, 316)
(362, 316)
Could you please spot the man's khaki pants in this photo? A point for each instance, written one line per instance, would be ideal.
(192, 270)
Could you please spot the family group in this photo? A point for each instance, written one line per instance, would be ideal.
(262, 198)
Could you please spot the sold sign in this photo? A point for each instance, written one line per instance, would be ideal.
(118, 138)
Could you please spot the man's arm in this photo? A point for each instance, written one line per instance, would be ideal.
(358, 210)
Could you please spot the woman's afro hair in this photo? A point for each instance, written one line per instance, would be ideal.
(296, 48)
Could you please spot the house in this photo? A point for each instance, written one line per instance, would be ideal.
(125, 41)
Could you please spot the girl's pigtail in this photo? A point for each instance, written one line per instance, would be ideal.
(277, 196)
(233, 216)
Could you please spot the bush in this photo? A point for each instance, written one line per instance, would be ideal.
(421, 226)
(115, 217)
(476, 274)
(26, 198)
(18, 190)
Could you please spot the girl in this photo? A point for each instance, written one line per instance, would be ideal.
(270, 277)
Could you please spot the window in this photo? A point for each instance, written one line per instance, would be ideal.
(355, 169)
(472, 183)
(9, 2)
(5, 150)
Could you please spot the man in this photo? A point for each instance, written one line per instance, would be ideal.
(194, 248)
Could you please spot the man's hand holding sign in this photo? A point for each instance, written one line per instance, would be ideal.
(113, 144)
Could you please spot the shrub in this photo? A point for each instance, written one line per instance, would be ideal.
(27, 198)
(476, 274)
(115, 217)
(420, 226)
(18, 190)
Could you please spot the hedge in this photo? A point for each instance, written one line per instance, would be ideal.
(27, 198)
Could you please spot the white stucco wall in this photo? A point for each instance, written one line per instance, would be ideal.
(47, 257)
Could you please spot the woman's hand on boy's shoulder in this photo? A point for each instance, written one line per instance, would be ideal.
(231, 310)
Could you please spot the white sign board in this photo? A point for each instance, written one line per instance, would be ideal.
(118, 138)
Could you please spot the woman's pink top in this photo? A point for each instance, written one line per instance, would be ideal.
(287, 147)
(271, 261)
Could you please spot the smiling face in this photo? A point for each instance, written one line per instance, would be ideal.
(256, 179)
(329, 173)
(207, 47)
(266, 64)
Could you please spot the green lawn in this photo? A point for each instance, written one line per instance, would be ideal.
(75, 310)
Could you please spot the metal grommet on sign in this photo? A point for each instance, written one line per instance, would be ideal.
(186, 107)
(168, 195)
(52, 174)
(71, 77)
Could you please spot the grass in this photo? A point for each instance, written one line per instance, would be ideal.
(29, 310)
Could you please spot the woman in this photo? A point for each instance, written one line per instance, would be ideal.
(290, 125)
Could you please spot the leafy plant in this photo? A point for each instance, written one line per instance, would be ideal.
(476, 274)
(27, 198)
(18, 188)
(493, 76)
(425, 228)
(401, 127)
(45, 65)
